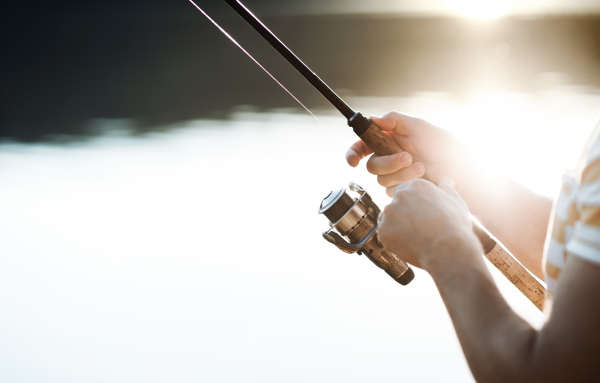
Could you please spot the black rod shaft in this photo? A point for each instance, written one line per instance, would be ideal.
(304, 70)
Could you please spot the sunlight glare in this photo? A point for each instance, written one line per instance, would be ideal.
(480, 9)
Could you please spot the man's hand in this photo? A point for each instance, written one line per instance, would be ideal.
(428, 150)
(511, 212)
(424, 224)
(429, 227)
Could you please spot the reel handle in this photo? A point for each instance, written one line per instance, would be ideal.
(517, 274)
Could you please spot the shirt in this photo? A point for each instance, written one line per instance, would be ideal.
(575, 228)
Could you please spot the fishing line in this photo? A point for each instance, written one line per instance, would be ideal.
(257, 63)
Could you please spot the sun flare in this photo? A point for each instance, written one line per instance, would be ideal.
(480, 9)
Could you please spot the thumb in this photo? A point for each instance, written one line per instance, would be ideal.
(447, 185)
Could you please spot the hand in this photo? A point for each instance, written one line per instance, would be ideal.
(424, 224)
(428, 150)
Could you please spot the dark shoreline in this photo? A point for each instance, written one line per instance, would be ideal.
(159, 67)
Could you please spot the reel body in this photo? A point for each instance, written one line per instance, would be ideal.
(353, 229)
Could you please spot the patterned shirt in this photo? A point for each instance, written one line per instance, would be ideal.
(575, 229)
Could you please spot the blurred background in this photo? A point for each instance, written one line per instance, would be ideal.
(159, 192)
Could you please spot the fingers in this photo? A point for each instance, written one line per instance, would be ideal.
(357, 152)
(392, 190)
(393, 121)
(394, 169)
(408, 173)
(401, 123)
(382, 165)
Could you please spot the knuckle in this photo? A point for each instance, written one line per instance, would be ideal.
(386, 211)
(392, 114)
(417, 184)
(405, 187)
(421, 184)
(398, 190)
(389, 211)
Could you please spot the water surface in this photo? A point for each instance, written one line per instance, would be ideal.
(196, 254)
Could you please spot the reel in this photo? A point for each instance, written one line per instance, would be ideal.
(353, 229)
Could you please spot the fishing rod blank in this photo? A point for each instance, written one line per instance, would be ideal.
(280, 47)
(370, 133)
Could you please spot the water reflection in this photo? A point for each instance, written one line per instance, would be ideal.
(196, 254)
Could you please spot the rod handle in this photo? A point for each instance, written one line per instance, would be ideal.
(512, 269)
(373, 136)
(381, 143)
(518, 275)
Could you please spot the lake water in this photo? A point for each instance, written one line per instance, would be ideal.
(196, 254)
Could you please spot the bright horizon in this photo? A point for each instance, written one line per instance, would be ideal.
(467, 8)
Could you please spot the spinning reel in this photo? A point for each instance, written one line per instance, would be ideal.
(353, 229)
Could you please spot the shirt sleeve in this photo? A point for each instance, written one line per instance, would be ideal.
(585, 239)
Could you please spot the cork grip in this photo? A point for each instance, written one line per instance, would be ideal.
(518, 275)
(384, 145)
(381, 144)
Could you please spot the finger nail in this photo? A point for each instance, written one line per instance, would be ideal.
(419, 169)
(404, 159)
(449, 180)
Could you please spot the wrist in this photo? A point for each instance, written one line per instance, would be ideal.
(460, 252)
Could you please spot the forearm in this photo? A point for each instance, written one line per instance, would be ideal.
(497, 343)
(429, 227)
(514, 214)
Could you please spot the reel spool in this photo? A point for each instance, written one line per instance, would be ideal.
(353, 229)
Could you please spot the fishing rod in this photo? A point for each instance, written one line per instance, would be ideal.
(364, 128)
(353, 221)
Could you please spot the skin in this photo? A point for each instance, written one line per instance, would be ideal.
(427, 224)
(512, 213)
